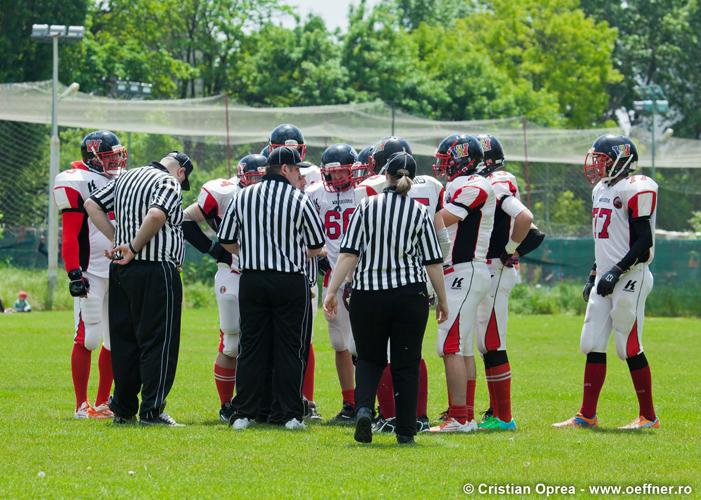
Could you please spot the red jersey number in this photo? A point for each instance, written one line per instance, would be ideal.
(605, 214)
(333, 221)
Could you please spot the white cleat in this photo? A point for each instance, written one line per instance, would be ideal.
(452, 425)
(83, 410)
(241, 424)
(294, 425)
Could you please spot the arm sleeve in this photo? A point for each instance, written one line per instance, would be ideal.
(512, 206)
(312, 225)
(166, 195)
(428, 242)
(72, 222)
(353, 240)
(464, 199)
(230, 224)
(640, 244)
(195, 236)
(533, 239)
(104, 197)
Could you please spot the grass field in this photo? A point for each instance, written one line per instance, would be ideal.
(208, 460)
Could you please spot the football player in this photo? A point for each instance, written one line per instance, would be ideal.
(468, 213)
(287, 134)
(210, 206)
(623, 223)
(335, 201)
(427, 191)
(83, 247)
(512, 225)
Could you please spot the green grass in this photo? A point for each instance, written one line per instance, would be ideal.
(206, 459)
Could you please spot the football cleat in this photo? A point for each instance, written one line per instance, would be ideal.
(225, 412)
(363, 426)
(83, 410)
(240, 424)
(100, 411)
(579, 421)
(422, 424)
(384, 425)
(119, 420)
(486, 415)
(452, 425)
(310, 412)
(496, 424)
(161, 420)
(642, 423)
(294, 425)
(345, 417)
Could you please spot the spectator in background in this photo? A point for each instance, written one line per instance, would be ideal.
(22, 305)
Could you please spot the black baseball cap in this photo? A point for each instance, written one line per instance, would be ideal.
(401, 160)
(285, 155)
(186, 163)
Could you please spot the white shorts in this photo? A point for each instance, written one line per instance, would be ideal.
(226, 289)
(466, 285)
(623, 311)
(340, 331)
(493, 311)
(90, 314)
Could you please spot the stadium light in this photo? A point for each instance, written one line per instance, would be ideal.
(45, 33)
(135, 91)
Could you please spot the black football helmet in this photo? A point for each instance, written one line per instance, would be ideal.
(386, 148)
(363, 170)
(458, 155)
(251, 169)
(102, 152)
(337, 164)
(610, 157)
(287, 135)
(493, 153)
(265, 151)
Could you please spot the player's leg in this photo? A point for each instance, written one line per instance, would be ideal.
(628, 315)
(104, 362)
(483, 314)
(341, 341)
(596, 331)
(226, 286)
(308, 386)
(80, 363)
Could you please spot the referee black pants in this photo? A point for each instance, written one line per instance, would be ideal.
(145, 301)
(274, 313)
(398, 315)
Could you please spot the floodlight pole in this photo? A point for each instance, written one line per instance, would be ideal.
(53, 172)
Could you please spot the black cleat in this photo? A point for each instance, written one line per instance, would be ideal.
(226, 411)
(120, 420)
(310, 412)
(422, 424)
(163, 419)
(363, 426)
(405, 439)
(346, 416)
(383, 425)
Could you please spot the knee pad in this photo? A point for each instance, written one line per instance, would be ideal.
(495, 358)
(93, 336)
(637, 362)
(230, 345)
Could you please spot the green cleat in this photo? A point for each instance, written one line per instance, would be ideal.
(496, 424)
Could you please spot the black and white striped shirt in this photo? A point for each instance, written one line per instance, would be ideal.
(131, 196)
(274, 224)
(394, 238)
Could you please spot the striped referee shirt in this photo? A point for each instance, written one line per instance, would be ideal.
(131, 196)
(394, 238)
(274, 223)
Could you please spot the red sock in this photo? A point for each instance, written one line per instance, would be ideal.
(459, 413)
(80, 369)
(594, 376)
(104, 364)
(308, 386)
(422, 403)
(349, 397)
(492, 395)
(385, 394)
(225, 380)
(501, 381)
(642, 380)
(470, 399)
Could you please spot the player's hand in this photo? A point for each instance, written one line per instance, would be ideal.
(330, 305)
(124, 250)
(507, 259)
(79, 285)
(347, 290)
(324, 265)
(441, 312)
(608, 281)
(588, 287)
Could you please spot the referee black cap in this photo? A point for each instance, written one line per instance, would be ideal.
(285, 155)
(185, 162)
(399, 161)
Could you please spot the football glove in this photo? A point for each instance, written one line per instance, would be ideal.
(608, 281)
(347, 289)
(507, 259)
(79, 285)
(588, 287)
(324, 265)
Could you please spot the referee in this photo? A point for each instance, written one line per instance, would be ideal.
(389, 241)
(275, 229)
(145, 292)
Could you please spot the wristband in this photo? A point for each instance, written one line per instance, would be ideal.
(511, 247)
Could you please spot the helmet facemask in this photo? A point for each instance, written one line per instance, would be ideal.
(249, 177)
(109, 162)
(290, 143)
(361, 171)
(601, 167)
(338, 178)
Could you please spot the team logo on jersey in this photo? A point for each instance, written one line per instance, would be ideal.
(457, 284)
(621, 150)
(222, 290)
(486, 143)
(91, 186)
(617, 202)
(461, 150)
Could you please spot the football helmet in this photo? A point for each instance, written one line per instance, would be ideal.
(287, 135)
(337, 164)
(362, 170)
(251, 169)
(610, 157)
(458, 155)
(386, 148)
(265, 151)
(493, 153)
(103, 153)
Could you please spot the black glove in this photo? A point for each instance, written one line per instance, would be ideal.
(347, 289)
(608, 281)
(220, 254)
(588, 287)
(79, 285)
(324, 265)
(507, 259)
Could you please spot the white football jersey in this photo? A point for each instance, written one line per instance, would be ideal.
(508, 206)
(312, 175)
(504, 183)
(335, 210)
(426, 190)
(613, 209)
(213, 200)
(71, 189)
(471, 198)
